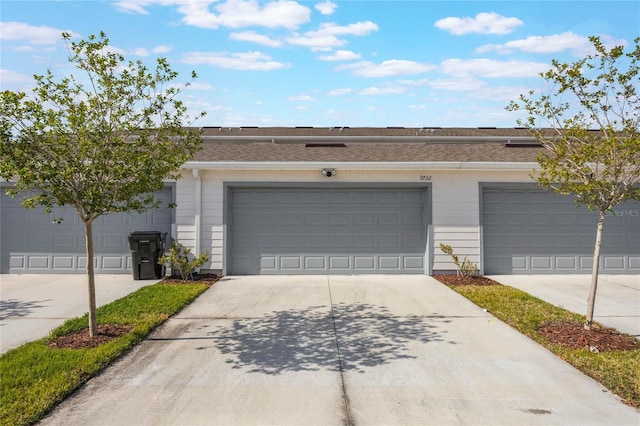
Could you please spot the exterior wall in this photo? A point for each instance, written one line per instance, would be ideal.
(456, 212)
(184, 230)
(455, 205)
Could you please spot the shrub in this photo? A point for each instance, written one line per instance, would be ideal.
(180, 261)
(467, 268)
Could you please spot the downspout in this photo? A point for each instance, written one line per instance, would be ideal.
(198, 210)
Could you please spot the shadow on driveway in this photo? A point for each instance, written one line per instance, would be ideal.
(305, 339)
(13, 308)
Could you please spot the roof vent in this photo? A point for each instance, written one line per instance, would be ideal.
(522, 144)
(325, 145)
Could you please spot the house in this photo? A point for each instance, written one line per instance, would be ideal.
(340, 200)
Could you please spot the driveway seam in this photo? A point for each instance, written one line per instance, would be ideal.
(348, 417)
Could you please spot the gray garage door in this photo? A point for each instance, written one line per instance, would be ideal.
(529, 231)
(333, 231)
(32, 243)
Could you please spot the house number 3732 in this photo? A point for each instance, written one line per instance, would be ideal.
(425, 177)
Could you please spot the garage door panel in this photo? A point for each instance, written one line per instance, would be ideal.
(63, 262)
(342, 231)
(519, 241)
(315, 262)
(338, 197)
(364, 197)
(566, 263)
(614, 262)
(32, 243)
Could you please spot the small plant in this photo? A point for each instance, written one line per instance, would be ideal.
(179, 262)
(467, 268)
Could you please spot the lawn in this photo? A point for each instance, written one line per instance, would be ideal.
(618, 371)
(36, 377)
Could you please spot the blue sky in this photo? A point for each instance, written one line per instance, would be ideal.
(327, 63)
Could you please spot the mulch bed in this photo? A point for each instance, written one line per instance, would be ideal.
(81, 339)
(107, 332)
(598, 339)
(451, 279)
(572, 335)
(209, 279)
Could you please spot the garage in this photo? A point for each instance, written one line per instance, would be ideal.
(327, 230)
(534, 231)
(32, 243)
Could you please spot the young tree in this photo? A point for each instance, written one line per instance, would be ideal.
(593, 148)
(100, 142)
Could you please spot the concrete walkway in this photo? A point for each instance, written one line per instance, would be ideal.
(359, 350)
(33, 305)
(617, 299)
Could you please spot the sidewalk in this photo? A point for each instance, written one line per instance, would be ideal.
(32, 305)
(617, 299)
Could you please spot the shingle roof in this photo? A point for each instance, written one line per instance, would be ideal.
(344, 144)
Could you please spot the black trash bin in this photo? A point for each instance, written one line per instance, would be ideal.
(146, 248)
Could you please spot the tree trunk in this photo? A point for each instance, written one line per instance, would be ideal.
(591, 302)
(93, 325)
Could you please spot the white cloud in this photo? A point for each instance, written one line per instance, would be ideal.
(162, 49)
(136, 6)
(301, 98)
(230, 13)
(554, 43)
(326, 7)
(316, 43)
(415, 83)
(390, 90)
(7, 76)
(254, 37)
(326, 36)
(339, 92)
(199, 86)
(39, 35)
(245, 13)
(357, 29)
(483, 23)
(459, 84)
(245, 61)
(140, 52)
(387, 68)
(340, 55)
(492, 68)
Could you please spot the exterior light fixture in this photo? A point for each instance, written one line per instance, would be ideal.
(329, 172)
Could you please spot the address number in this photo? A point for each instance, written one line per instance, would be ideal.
(425, 177)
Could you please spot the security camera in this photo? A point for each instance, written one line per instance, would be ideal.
(329, 172)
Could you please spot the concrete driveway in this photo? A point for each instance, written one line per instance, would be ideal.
(617, 299)
(362, 350)
(32, 305)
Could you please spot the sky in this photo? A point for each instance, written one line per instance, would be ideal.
(326, 63)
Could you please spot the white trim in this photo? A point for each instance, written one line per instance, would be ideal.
(197, 221)
(417, 139)
(360, 165)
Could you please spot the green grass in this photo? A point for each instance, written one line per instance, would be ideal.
(35, 377)
(618, 371)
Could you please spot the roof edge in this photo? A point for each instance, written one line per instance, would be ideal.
(367, 139)
(363, 165)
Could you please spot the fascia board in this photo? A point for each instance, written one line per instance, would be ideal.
(368, 165)
(418, 139)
